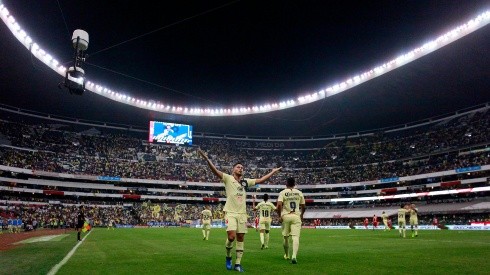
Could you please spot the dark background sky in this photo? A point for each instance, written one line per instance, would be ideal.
(223, 53)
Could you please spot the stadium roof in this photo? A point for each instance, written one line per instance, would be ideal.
(224, 52)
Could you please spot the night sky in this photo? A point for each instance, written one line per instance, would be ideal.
(226, 53)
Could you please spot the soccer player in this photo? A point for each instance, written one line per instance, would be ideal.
(414, 221)
(235, 208)
(265, 209)
(384, 216)
(375, 222)
(110, 224)
(366, 223)
(435, 222)
(80, 223)
(291, 208)
(402, 222)
(206, 222)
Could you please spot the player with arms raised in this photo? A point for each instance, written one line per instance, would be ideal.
(235, 208)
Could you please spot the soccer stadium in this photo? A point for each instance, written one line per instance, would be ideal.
(242, 136)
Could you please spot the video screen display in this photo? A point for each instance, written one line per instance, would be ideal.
(170, 133)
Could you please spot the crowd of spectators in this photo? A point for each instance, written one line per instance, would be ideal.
(457, 142)
(63, 216)
(381, 155)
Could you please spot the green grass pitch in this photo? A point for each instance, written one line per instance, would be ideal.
(183, 251)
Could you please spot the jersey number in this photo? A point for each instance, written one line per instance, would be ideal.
(292, 205)
(265, 213)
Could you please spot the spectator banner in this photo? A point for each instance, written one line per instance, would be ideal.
(107, 178)
(450, 183)
(210, 199)
(131, 197)
(389, 179)
(468, 169)
(53, 192)
(387, 191)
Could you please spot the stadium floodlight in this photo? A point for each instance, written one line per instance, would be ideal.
(75, 80)
(75, 75)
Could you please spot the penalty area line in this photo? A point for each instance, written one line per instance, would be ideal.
(57, 267)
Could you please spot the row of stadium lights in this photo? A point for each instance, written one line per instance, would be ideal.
(401, 60)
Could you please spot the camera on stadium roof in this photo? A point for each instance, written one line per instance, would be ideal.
(75, 75)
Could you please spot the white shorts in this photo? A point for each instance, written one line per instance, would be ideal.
(236, 222)
(265, 224)
(291, 225)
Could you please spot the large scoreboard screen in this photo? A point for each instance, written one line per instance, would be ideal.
(170, 133)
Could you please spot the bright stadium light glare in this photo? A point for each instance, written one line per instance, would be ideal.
(464, 29)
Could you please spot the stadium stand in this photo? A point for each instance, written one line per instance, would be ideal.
(49, 167)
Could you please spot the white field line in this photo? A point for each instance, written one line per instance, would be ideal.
(57, 267)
